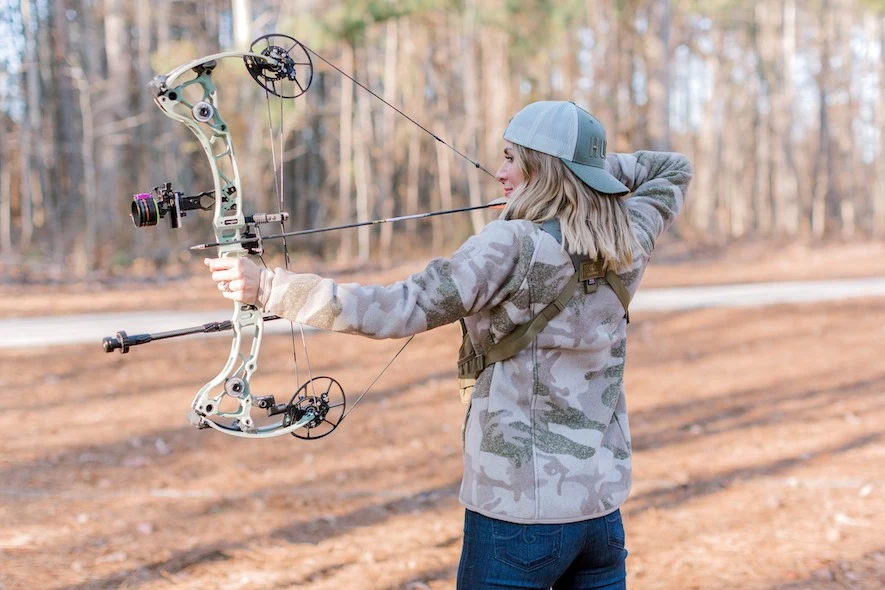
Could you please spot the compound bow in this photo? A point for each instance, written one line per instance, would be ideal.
(283, 68)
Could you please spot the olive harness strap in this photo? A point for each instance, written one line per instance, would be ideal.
(589, 272)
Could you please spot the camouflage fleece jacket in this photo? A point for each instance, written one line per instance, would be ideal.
(546, 437)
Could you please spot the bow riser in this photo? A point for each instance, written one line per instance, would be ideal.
(229, 224)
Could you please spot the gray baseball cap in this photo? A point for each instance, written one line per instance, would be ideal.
(565, 130)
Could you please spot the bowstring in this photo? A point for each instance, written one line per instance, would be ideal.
(286, 254)
(278, 175)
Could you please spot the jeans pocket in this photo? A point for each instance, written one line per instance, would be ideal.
(526, 546)
(614, 526)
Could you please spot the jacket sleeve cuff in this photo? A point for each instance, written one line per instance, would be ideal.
(265, 285)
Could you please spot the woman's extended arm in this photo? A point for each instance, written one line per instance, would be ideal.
(481, 273)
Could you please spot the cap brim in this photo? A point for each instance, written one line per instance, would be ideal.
(597, 179)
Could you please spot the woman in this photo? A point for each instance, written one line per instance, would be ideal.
(547, 458)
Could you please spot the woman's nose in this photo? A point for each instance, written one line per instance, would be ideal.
(499, 175)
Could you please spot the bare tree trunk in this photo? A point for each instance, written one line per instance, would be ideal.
(345, 154)
(386, 194)
(364, 138)
(737, 128)
(442, 57)
(116, 99)
(62, 203)
(707, 166)
(786, 175)
(879, 194)
(570, 48)
(843, 203)
(88, 75)
(142, 149)
(315, 210)
(657, 51)
(90, 200)
(605, 23)
(498, 101)
(761, 36)
(471, 104)
(632, 118)
(32, 177)
(241, 11)
(823, 167)
(413, 89)
(5, 192)
(160, 9)
(167, 142)
(444, 169)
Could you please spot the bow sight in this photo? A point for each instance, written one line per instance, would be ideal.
(149, 208)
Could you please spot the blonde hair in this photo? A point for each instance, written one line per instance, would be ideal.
(593, 224)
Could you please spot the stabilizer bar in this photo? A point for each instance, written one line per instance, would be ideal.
(123, 341)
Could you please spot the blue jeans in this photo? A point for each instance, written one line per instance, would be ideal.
(574, 556)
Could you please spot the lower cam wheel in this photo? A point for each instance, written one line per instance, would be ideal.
(324, 398)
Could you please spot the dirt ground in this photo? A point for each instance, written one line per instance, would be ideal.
(759, 451)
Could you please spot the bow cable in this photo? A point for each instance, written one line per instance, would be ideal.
(475, 163)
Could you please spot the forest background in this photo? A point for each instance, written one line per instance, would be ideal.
(780, 105)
